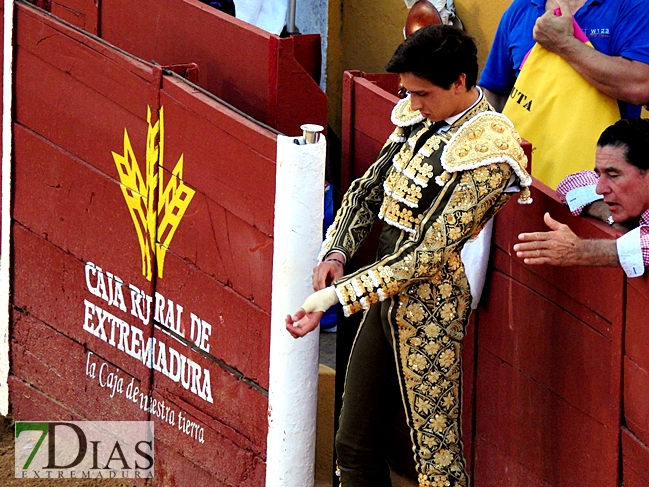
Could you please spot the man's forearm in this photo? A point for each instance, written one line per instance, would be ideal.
(615, 76)
(597, 253)
(562, 247)
(597, 209)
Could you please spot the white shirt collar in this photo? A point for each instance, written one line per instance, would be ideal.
(454, 118)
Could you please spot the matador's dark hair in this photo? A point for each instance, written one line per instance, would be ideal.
(632, 135)
(439, 54)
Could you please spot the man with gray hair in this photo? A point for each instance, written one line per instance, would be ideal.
(617, 192)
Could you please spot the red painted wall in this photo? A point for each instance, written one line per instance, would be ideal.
(76, 97)
(556, 351)
(635, 438)
(267, 77)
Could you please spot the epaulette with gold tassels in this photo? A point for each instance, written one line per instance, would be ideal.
(487, 138)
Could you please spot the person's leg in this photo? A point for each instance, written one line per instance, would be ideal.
(370, 401)
(430, 325)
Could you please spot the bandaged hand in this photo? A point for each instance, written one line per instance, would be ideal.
(320, 300)
(306, 319)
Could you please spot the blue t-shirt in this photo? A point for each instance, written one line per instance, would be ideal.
(614, 27)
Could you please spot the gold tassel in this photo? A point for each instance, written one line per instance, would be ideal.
(525, 197)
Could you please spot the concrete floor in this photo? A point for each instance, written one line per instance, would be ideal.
(328, 349)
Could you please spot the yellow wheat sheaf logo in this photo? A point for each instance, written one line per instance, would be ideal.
(156, 209)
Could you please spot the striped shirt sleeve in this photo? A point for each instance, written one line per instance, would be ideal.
(578, 190)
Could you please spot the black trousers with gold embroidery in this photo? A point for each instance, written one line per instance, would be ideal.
(429, 361)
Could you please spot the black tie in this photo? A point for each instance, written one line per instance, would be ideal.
(438, 125)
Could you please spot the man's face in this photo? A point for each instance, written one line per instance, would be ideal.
(625, 187)
(434, 103)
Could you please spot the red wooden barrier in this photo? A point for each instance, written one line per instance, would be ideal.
(82, 13)
(549, 352)
(84, 343)
(635, 453)
(635, 439)
(271, 79)
(549, 346)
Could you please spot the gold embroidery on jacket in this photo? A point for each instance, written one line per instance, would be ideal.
(487, 138)
(403, 115)
(367, 194)
(411, 172)
(405, 181)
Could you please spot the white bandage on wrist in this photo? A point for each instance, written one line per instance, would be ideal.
(320, 300)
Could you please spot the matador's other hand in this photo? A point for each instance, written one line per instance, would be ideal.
(328, 271)
(560, 246)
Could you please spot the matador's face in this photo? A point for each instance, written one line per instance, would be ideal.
(433, 102)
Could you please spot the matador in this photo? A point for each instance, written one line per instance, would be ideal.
(450, 164)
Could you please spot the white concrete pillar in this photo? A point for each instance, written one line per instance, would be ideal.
(5, 230)
(292, 395)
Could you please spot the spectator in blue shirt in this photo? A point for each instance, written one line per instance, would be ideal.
(618, 30)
